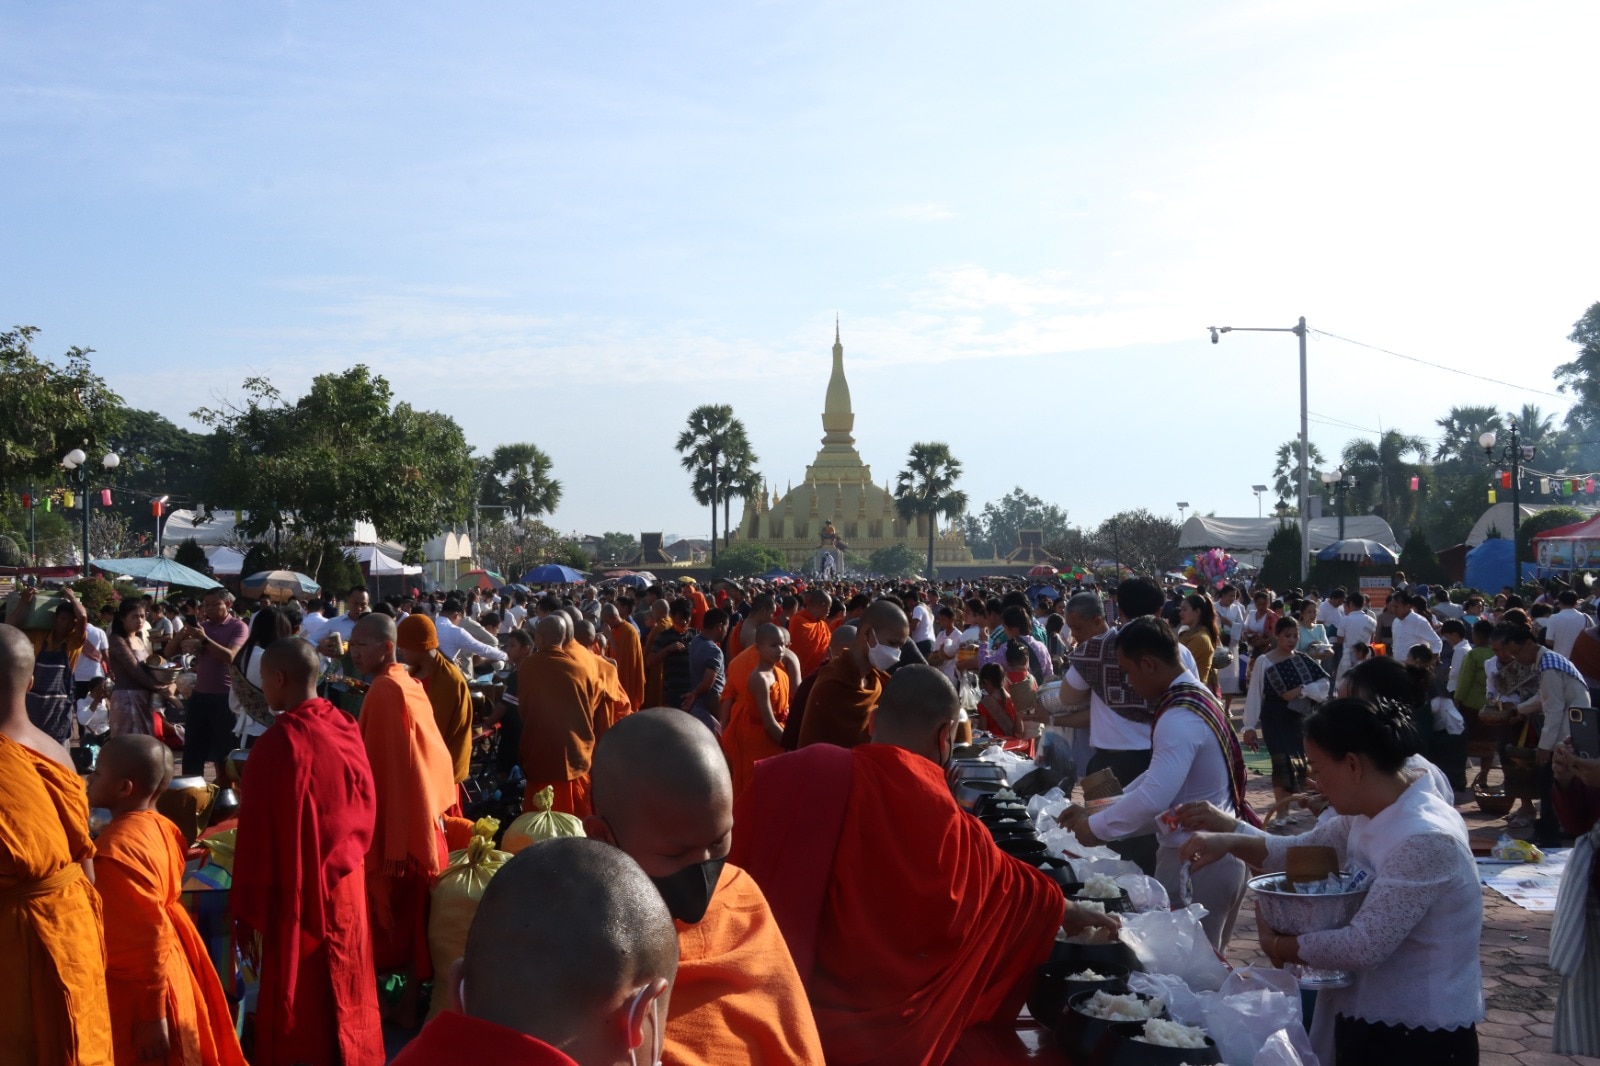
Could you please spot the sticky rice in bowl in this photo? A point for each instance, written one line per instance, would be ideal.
(1089, 1016)
(1156, 1042)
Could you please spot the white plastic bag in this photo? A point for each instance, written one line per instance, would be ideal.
(1286, 1047)
(1144, 893)
(1052, 803)
(1172, 942)
(1184, 1004)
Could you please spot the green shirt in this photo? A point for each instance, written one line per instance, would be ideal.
(1473, 678)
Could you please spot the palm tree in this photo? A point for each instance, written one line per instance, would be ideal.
(711, 434)
(1286, 474)
(926, 488)
(522, 472)
(1533, 423)
(1384, 475)
(1460, 429)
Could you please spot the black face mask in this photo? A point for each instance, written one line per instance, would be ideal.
(688, 892)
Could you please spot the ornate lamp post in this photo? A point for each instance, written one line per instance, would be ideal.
(1515, 453)
(76, 464)
(1339, 483)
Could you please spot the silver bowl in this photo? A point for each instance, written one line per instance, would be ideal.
(1292, 913)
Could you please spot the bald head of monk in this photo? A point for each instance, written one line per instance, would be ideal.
(761, 608)
(841, 640)
(574, 616)
(609, 615)
(130, 772)
(918, 711)
(289, 671)
(550, 631)
(579, 921)
(769, 643)
(883, 625)
(817, 603)
(662, 793)
(372, 643)
(584, 633)
(16, 670)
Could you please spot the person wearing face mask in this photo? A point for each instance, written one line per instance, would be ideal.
(840, 705)
(581, 923)
(906, 921)
(662, 793)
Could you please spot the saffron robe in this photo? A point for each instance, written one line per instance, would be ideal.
(839, 708)
(744, 739)
(629, 656)
(808, 639)
(299, 884)
(52, 956)
(614, 704)
(738, 997)
(414, 779)
(895, 974)
(157, 966)
(451, 1036)
(558, 695)
(451, 700)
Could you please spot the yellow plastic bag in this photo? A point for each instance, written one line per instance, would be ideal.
(455, 901)
(541, 823)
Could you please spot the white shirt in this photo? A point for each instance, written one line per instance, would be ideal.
(1562, 629)
(87, 669)
(1186, 765)
(1408, 632)
(1328, 615)
(455, 641)
(921, 623)
(311, 626)
(1457, 657)
(1231, 618)
(948, 642)
(1107, 728)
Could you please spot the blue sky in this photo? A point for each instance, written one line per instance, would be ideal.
(572, 223)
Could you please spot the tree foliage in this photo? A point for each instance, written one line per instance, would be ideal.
(618, 546)
(1549, 518)
(1286, 469)
(996, 527)
(518, 478)
(189, 553)
(510, 548)
(47, 409)
(748, 559)
(1281, 566)
(1418, 562)
(158, 459)
(710, 438)
(926, 489)
(1383, 474)
(1138, 539)
(896, 560)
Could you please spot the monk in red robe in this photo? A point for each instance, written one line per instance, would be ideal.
(839, 708)
(906, 921)
(758, 707)
(166, 1000)
(52, 956)
(577, 920)
(626, 652)
(306, 817)
(417, 645)
(809, 631)
(662, 794)
(414, 779)
(558, 695)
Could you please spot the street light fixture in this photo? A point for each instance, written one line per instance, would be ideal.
(1298, 330)
(77, 467)
(1339, 483)
(1182, 507)
(1258, 490)
(1516, 453)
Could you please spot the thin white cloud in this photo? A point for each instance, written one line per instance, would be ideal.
(929, 212)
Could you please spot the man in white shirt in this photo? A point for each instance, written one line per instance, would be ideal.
(91, 660)
(1330, 611)
(1411, 626)
(357, 604)
(1562, 628)
(1190, 763)
(946, 643)
(921, 623)
(458, 643)
(1357, 626)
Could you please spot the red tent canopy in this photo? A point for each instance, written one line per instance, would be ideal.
(1588, 529)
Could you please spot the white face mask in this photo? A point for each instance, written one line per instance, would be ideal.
(882, 656)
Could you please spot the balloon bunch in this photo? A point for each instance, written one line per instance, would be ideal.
(1212, 568)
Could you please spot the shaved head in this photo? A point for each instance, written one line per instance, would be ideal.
(143, 760)
(374, 627)
(16, 661)
(550, 631)
(296, 659)
(841, 640)
(609, 614)
(372, 643)
(918, 704)
(577, 920)
(883, 618)
(583, 632)
(818, 602)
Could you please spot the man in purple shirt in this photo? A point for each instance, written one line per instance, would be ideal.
(208, 720)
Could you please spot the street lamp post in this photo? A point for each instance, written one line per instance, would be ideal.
(1182, 507)
(77, 467)
(1339, 483)
(1258, 490)
(158, 509)
(1516, 453)
(1298, 330)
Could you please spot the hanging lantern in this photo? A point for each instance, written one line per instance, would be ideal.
(68, 499)
(27, 502)
(105, 497)
(1415, 482)
(47, 503)
(1588, 486)
(1505, 479)
(1491, 495)
(1544, 486)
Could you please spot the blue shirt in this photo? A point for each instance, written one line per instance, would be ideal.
(705, 654)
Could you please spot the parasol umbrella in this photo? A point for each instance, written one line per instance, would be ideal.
(687, 580)
(1358, 550)
(479, 579)
(778, 574)
(280, 585)
(637, 581)
(553, 574)
(1043, 570)
(158, 572)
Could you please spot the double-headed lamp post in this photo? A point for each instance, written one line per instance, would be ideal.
(77, 467)
(1516, 453)
(1339, 483)
(1299, 330)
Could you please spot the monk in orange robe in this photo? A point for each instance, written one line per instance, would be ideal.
(52, 956)
(698, 606)
(166, 1000)
(906, 921)
(413, 777)
(759, 707)
(662, 794)
(417, 645)
(839, 708)
(558, 695)
(627, 652)
(614, 703)
(809, 631)
(742, 637)
(299, 898)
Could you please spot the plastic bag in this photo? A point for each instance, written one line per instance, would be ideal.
(1286, 1048)
(455, 901)
(1049, 803)
(1509, 849)
(1183, 1003)
(1015, 766)
(541, 823)
(1172, 942)
(1144, 893)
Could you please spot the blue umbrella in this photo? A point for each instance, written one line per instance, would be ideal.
(552, 574)
(1358, 550)
(158, 572)
(778, 574)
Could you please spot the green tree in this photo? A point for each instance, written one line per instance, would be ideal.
(46, 410)
(522, 481)
(1286, 468)
(1384, 475)
(1138, 539)
(1581, 376)
(94, 593)
(896, 560)
(711, 433)
(11, 553)
(1549, 518)
(1417, 560)
(736, 477)
(1003, 519)
(158, 459)
(512, 548)
(1459, 431)
(1281, 566)
(749, 559)
(926, 489)
(618, 547)
(189, 553)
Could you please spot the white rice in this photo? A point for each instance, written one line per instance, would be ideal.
(1164, 1033)
(1087, 975)
(1100, 886)
(1128, 1008)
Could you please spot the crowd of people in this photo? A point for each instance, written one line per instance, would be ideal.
(776, 869)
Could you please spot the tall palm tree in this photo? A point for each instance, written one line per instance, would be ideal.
(1286, 473)
(1384, 475)
(1534, 424)
(1460, 429)
(523, 474)
(704, 443)
(926, 488)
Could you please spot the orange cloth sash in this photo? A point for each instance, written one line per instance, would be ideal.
(808, 639)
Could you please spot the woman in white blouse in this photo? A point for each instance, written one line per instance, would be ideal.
(1417, 994)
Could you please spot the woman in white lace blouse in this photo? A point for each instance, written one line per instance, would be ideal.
(1417, 994)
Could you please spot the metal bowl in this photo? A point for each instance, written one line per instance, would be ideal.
(1292, 913)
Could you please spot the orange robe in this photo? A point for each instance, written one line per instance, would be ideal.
(697, 607)
(744, 739)
(652, 674)
(737, 997)
(838, 709)
(629, 654)
(894, 976)
(414, 779)
(53, 1008)
(558, 695)
(808, 639)
(614, 704)
(451, 700)
(156, 964)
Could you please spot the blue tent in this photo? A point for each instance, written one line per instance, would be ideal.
(1489, 566)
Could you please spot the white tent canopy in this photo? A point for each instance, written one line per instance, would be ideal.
(1252, 534)
(1498, 518)
(183, 524)
(447, 548)
(379, 564)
